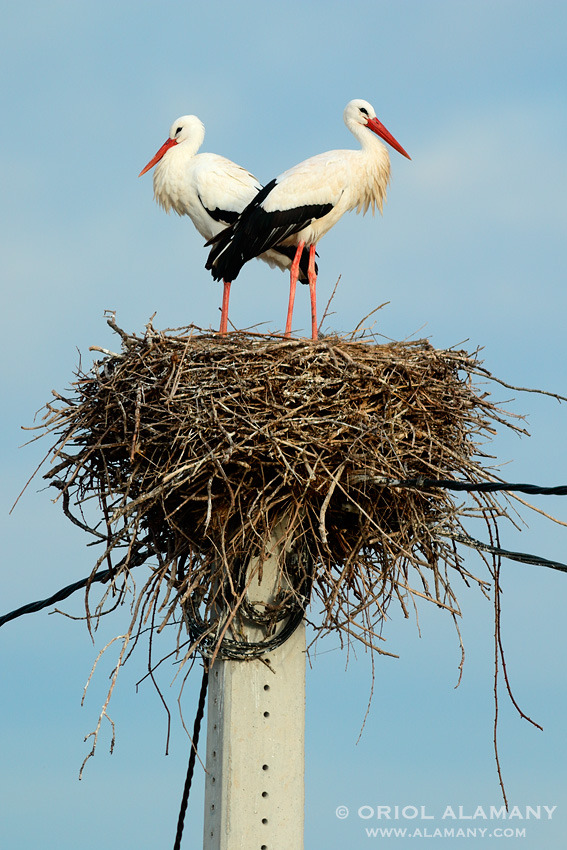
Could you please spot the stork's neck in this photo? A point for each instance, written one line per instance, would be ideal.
(189, 146)
(373, 174)
(171, 173)
(369, 141)
(373, 153)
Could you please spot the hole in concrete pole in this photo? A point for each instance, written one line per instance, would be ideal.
(264, 793)
(264, 847)
(266, 714)
(264, 767)
(264, 820)
(266, 687)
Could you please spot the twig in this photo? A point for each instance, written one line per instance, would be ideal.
(328, 304)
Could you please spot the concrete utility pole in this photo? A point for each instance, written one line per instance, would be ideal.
(255, 783)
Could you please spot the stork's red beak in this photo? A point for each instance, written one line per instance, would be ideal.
(164, 148)
(381, 131)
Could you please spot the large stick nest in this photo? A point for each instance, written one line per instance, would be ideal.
(195, 447)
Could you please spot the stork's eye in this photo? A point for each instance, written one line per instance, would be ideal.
(364, 111)
(179, 129)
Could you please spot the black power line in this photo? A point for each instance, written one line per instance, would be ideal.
(522, 557)
(192, 756)
(423, 483)
(103, 575)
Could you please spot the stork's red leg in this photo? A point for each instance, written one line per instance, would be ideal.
(224, 311)
(293, 275)
(312, 277)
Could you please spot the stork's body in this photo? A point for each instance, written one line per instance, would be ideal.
(303, 203)
(210, 189)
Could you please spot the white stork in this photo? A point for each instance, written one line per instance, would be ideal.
(303, 203)
(210, 189)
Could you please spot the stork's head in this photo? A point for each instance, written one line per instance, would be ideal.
(360, 113)
(186, 129)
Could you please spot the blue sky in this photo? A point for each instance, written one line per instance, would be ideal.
(471, 247)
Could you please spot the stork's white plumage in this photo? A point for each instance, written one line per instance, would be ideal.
(210, 189)
(303, 203)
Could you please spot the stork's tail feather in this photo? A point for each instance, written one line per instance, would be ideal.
(225, 258)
